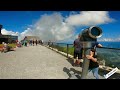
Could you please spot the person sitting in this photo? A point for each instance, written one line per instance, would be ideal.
(6, 48)
(1, 49)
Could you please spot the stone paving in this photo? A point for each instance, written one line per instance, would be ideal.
(37, 62)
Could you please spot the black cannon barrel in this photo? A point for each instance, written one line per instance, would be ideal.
(91, 33)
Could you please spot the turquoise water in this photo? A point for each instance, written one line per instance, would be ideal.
(105, 44)
(110, 56)
(111, 44)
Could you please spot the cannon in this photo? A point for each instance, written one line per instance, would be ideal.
(89, 37)
(91, 34)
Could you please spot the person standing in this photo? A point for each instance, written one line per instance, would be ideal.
(36, 42)
(78, 48)
(49, 42)
(30, 42)
(33, 42)
(94, 65)
(39, 42)
(42, 42)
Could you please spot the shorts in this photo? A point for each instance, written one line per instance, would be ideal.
(79, 55)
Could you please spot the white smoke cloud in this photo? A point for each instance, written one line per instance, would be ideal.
(27, 32)
(87, 18)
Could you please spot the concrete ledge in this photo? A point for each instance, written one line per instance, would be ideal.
(60, 52)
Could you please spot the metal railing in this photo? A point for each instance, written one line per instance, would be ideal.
(108, 57)
(104, 53)
(64, 47)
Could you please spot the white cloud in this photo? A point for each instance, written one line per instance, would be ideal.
(87, 18)
(58, 28)
(109, 39)
(6, 32)
(105, 39)
(50, 27)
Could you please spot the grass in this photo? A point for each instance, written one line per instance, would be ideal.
(12, 45)
(64, 49)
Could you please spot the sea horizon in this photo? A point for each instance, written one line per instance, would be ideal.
(110, 44)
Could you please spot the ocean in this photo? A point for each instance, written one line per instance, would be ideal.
(111, 44)
(110, 56)
(104, 44)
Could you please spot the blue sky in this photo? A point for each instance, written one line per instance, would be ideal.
(19, 21)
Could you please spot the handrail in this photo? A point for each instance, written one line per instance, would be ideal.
(109, 48)
(97, 47)
(69, 56)
(62, 43)
(67, 45)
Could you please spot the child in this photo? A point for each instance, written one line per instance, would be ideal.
(93, 65)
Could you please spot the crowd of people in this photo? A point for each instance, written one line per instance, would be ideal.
(31, 42)
(6, 47)
(35, 42)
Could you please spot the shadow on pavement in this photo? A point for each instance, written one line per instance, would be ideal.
(72, 73)
(70, 60)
